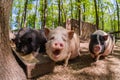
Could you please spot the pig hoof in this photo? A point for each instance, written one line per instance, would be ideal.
(65, 65)
(79, 54)
(94, 64)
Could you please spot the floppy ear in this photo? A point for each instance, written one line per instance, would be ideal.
(70, 34)
(105, 37)
(47, 31)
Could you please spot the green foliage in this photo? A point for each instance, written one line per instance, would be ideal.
(68, 7)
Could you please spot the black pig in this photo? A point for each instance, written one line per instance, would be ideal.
(28, 40)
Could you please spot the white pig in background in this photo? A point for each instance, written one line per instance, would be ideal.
(62, 44)
(101, 44)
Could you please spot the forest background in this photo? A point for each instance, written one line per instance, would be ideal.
(51, 13)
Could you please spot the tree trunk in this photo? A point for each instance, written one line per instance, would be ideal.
(79, 16)
(9, 69)
(84, 12)
(59, 12)
(53, 16)
(45, 14)
(23, 22)
(114, 23)
(118, 15)
(96, 12)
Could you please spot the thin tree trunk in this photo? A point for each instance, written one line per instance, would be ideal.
(114, 23)
(23, 22)
(79, 16)
(45, 14)
(84, 11)
(118, 15)
(52, 15)
(59, 13)
(96, 12)
(9, 69)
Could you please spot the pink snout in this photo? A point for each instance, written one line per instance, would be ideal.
(58, 45)
(96, 48)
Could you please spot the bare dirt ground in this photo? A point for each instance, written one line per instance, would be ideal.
(84, 68)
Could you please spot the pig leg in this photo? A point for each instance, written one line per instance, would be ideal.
(92, 55)
(67, 59)
(98, 57)
(112, 50)
(79, 52)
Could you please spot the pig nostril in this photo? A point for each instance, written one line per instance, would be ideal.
(55, 44)
(61, 45)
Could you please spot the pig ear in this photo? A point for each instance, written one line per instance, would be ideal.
(47, 31)
(105, 37)
(70, 34)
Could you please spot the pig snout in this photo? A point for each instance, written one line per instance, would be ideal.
(57, 48)
(58, 45)
(96, 48)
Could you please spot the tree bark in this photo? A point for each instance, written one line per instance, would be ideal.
(59, 12)
(45, 14)
(23, 22)
(118, 15)
(96, 12)
(53, 16)
(79, 16)
(9, 69)
(84, 10)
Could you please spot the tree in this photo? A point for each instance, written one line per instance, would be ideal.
(118, 15)
(97, 18)
(59, 12)
(9, 69)
(84, 10)
(44, 13)
(23, 22)
(79, 15)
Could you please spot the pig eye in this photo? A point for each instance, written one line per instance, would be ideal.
(64, 39)
(52, 38)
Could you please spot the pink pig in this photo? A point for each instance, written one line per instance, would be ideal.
(62, 44)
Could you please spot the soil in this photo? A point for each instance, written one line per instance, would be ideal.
(84, 68)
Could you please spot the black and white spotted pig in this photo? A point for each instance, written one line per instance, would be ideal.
(101, 44)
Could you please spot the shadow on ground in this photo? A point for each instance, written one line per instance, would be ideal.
(84, 68)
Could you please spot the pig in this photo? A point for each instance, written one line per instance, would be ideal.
(62, 44)
(29, 40)
(101, 44)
